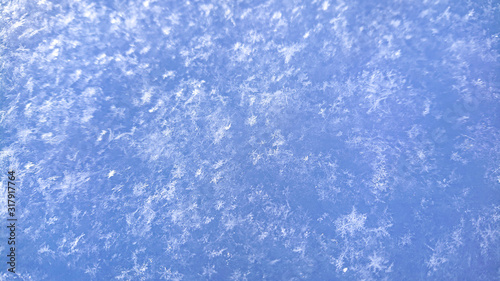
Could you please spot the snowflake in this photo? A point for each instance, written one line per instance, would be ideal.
(377, 263)
(350, 223)
(209, 271)
(167, 274)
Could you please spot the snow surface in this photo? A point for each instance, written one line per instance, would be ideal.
(252, 140)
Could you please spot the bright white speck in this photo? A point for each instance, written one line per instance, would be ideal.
(276, 15)
(325, 5)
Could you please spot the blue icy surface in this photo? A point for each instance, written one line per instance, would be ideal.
(252, 140)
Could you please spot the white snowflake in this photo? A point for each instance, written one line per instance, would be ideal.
(350, 223)
(377, 262)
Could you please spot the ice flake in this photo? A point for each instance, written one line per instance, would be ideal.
(351, 223)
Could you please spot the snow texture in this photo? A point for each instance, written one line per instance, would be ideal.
(252, 140)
